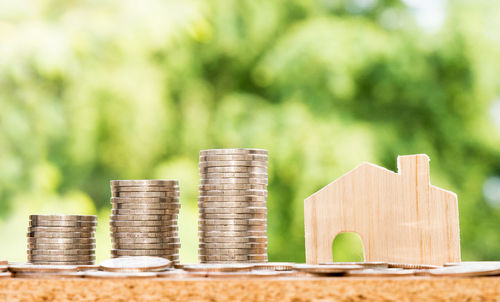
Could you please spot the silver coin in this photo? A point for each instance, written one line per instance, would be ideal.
(229, 204)
(232, 163)
(145, 223)
(233, 175)
(60, 246)
(209, 187)
(61, 240)
(233, 240)
(233, 169)
(144, 212)
(59, 235)
(232, 216)
(222, 268)
(227, 245)
(135, 264)
(30, 268)
(366, 264)
(222, 233)
(233, 228)
(230, 251)
(161, 234)
(251, 210)
(61, 257)
(233, 157)
(248, 222)
(62, 263)
(325, 269)
(145, 200)
(146, 246)
(239, 198)
(248, 192)
(142, 217)
(64, 217)
(145, 240)
(160, 253)
(234, 151)
(273, 266)
(79, 229)
(234, 181)
(144, 189)
(61, 252)
(49, 275)
(62, 223)
(222, 257)
(134, 229)
(174, 208)
(144, 194)
(145, 182)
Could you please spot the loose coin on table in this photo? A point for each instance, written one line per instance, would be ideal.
(135, 264)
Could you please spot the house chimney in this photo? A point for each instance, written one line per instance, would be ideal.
(415, 167)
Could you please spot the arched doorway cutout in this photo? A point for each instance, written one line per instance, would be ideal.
(348, 247)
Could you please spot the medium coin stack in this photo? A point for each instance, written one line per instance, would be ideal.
(232, 206)
(144, 218)
(61, 239)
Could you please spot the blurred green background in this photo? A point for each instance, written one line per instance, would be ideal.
(97, 90)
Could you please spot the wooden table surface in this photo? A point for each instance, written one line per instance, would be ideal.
(261, 289)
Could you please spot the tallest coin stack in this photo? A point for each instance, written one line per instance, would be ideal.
(232, 206)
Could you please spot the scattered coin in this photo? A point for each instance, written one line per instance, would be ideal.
(114, 275)
(32, 268)
(325, 269)
(369, 264)
(412, 266)
(135, 264)
(218, 268)
(273, 266)
(383, 272)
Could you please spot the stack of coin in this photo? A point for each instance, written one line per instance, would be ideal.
(232, 206)
(144, 218)
(61, 239)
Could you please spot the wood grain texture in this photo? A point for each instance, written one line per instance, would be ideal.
(269, 289)
(400, 217)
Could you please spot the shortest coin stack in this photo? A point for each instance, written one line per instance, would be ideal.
(61, 239)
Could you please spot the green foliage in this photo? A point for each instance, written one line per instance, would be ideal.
(93, 91)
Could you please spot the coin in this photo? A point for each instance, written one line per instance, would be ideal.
(233, 157)
(243, 204)
(123, 252)
(139, 223)
(233, 151)
(273, 266)
(146, 200)
(234, 181)
(369, 264)
(412, 266)
(145, 182)
(133, 229)
(61, 240)
(31, 268)
(142, 240)
(49, 275)
(223, 222)
(146, 246)
(383, 272)
(119, 275)
(233, 169)
(61, 252)
(223, 257)
(232, 228)
(325, 269)
(77, 263)
(233, 175)
(4, 267)
(231, 216)
(232, 163)
(239, 198)
(62, 223)
(144, 189)
(232, 239)
(61, 257)
(140, 234)
(144, 212)
(222, 233)
(172, 209)
(233, 192)
(222, 268)
(5, 275)
(142, 217)
(466, 271)
(64, 217)
(235, 210)
(59, 235)
(144, 194)
(79, 229)
(135, 264)
(59, 246)
(228, 245)
(238, 186)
